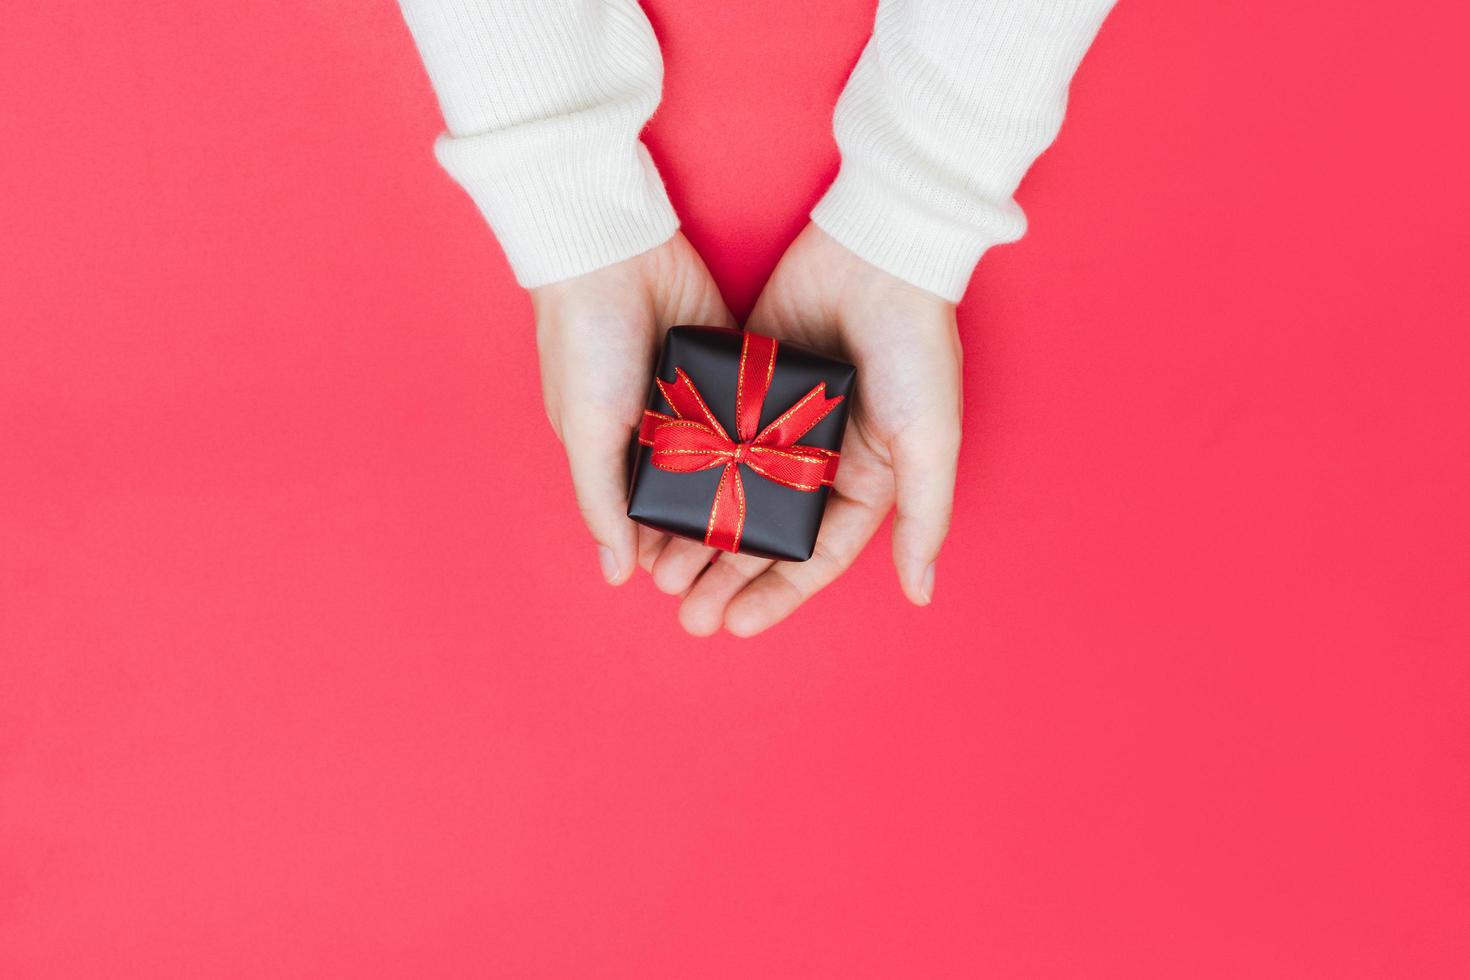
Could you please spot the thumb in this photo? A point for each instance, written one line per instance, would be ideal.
(924, 473)
(766, 317)
(597, 455)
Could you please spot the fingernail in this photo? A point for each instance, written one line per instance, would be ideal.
(609, 562)
(927, 586)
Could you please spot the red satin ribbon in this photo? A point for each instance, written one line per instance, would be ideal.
(692, 439)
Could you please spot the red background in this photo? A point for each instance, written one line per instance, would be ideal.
(308, 670)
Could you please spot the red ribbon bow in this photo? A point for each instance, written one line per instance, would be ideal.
(692, 439)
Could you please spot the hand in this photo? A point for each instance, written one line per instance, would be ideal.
(597, 335)
(901, 444)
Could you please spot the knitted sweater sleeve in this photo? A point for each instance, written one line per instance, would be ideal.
(950, 103)
(948, 106)
(544, 101)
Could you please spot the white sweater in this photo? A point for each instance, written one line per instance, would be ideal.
(948, 106)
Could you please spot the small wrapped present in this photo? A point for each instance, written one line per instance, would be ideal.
(740, 441)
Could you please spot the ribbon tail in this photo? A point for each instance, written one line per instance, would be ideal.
(799, 419)
(687, 403)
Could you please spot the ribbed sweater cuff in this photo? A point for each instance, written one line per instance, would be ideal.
(563, 200)
(903, 237)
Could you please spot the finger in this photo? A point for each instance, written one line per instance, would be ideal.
(596, 452)
(924, 472)
(775, 594)
(679, 564)
(702, 612)
(650, 544)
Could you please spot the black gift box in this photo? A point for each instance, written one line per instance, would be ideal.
(779, 522)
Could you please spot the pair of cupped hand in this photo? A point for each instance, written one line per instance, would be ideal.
(599, 333)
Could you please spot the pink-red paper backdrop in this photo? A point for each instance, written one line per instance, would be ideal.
(306, 669)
